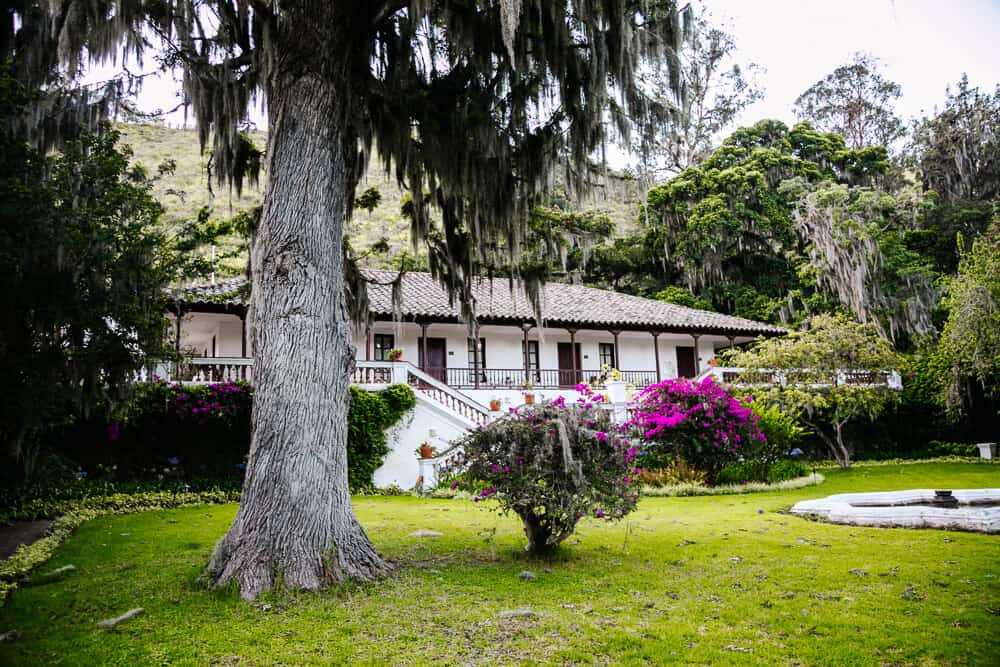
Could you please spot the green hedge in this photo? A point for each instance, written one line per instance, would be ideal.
(173, 432)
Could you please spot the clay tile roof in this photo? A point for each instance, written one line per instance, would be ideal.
(562, 304)
(230, 291)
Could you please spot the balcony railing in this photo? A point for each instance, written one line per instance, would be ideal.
(230, 369)
(544, 378)
(807, 377)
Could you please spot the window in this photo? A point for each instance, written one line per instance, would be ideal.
(383, 343)
(606, 352)
(532, 360)
(482, 353)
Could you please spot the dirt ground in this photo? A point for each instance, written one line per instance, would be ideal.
(24, 532)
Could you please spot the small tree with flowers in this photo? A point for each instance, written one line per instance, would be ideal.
(552, 464)
(701, 423)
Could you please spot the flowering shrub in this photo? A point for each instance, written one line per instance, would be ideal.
(701, 423)
(175, 431)
(552, 464)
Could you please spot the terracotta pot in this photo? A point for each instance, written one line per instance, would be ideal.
(529, 399)
(426, 451)
(495, 405)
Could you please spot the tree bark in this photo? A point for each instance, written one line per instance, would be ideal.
(841, 453)
(538, 534)
(295, 525)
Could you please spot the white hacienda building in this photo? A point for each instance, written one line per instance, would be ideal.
(456, 379)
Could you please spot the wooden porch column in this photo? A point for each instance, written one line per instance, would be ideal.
(732, 342)
(656, 353)
(697, 355)
(618, 363)
(527, 366)
(423, 345)
(572, 354)
(243, 334)
(368, 343)
(475, 356)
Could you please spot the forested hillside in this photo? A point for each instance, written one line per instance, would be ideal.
(187, 189)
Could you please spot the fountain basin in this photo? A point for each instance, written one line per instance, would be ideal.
(976, 510)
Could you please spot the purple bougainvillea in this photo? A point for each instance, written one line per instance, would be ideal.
(701, 422)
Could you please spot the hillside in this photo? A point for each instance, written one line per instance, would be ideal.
(186, 191)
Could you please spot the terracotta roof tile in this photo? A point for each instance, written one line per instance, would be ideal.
(562, 304)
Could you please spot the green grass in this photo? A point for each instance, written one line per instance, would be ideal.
(662, 587)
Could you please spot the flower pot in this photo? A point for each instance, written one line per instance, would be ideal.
(529, 399)
(617, 391)
(426, 451)
(987, 450)
(495, 405)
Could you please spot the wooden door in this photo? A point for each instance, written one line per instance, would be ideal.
(437, 358)
(567, 378)
(686, 366)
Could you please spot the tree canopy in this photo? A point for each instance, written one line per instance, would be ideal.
(83, 270)
(473, 107)
(855, 101)
(809, 374)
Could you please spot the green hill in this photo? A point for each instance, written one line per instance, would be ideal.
(184, 192)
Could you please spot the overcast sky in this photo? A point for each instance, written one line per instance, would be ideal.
(923, 45)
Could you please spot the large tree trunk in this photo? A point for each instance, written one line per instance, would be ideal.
(295, 525)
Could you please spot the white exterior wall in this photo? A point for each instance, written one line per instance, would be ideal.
(197, 330)
(503, 351)
(503, 344)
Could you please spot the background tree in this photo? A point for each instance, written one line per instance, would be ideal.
(475, 104)
(970, 341)
(716, 90)
(958, 150)
(956, 154)
(726, 229)
(855, 101)
(804, 374)
(854, 239)
(83, 271)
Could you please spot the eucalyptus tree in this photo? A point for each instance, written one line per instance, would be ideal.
(472, 106)
(717, 89)
(855, 101)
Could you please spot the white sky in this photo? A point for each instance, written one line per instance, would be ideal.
(922, 44)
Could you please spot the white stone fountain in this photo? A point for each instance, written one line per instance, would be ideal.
(976, 510)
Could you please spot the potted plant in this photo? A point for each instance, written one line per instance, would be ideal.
(713, 362)
(617, 388)
(395, 354)
(529, 393)
(495, 405)
(426, 450)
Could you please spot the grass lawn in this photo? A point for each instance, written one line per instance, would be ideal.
(705, 580)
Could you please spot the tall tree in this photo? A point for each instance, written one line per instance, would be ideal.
(970, 341)
(474, 103)
(716, 89)
(958, 150)
(855, 101)
(83, 271)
